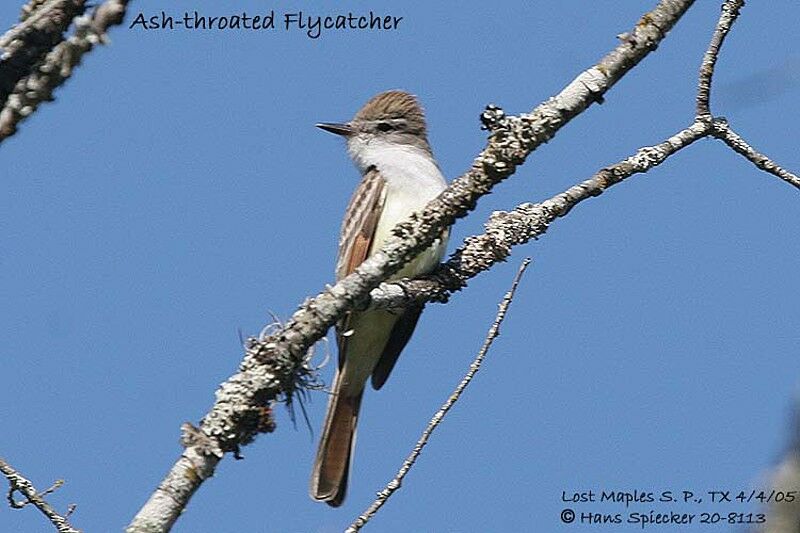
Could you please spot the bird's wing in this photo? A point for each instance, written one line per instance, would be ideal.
(398, 338)
(358, 232)
(361, 219)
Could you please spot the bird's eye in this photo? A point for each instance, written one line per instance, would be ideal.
(384, 126)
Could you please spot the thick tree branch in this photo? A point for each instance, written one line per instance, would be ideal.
(31, 8)
(56, 67)
(272, 367)
(14, 39)
(18, 483)
(492, 334)
(26, 44)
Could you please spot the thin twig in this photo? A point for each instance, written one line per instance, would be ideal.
(730, 12)
(18, 483)
(397, 481)
(719, 126)
(722, 131)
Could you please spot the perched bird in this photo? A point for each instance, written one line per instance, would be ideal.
(387, 140)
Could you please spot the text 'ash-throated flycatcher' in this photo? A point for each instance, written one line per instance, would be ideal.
(388, 142)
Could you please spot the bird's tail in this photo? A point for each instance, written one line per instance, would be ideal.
(331, 467)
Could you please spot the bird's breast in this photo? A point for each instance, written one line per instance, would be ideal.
(412, 180)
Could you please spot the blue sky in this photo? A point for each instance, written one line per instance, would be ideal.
(177, 192)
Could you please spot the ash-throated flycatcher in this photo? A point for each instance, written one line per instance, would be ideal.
(388, 142)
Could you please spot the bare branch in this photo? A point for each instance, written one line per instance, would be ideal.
(18, 483)
(273, 367)
(721, 130)
(730, 12)
(505, 230)
(57, 65)
(719, 126)
(397, 481)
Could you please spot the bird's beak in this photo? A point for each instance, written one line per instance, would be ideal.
(339, 129)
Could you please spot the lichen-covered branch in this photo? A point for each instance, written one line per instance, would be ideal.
(18, 483)
(506, 229)
(397, 481)
(32, 15)
(26, 44)
(274, 366)
(196, 464)
(56, 67)
(31, 8)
